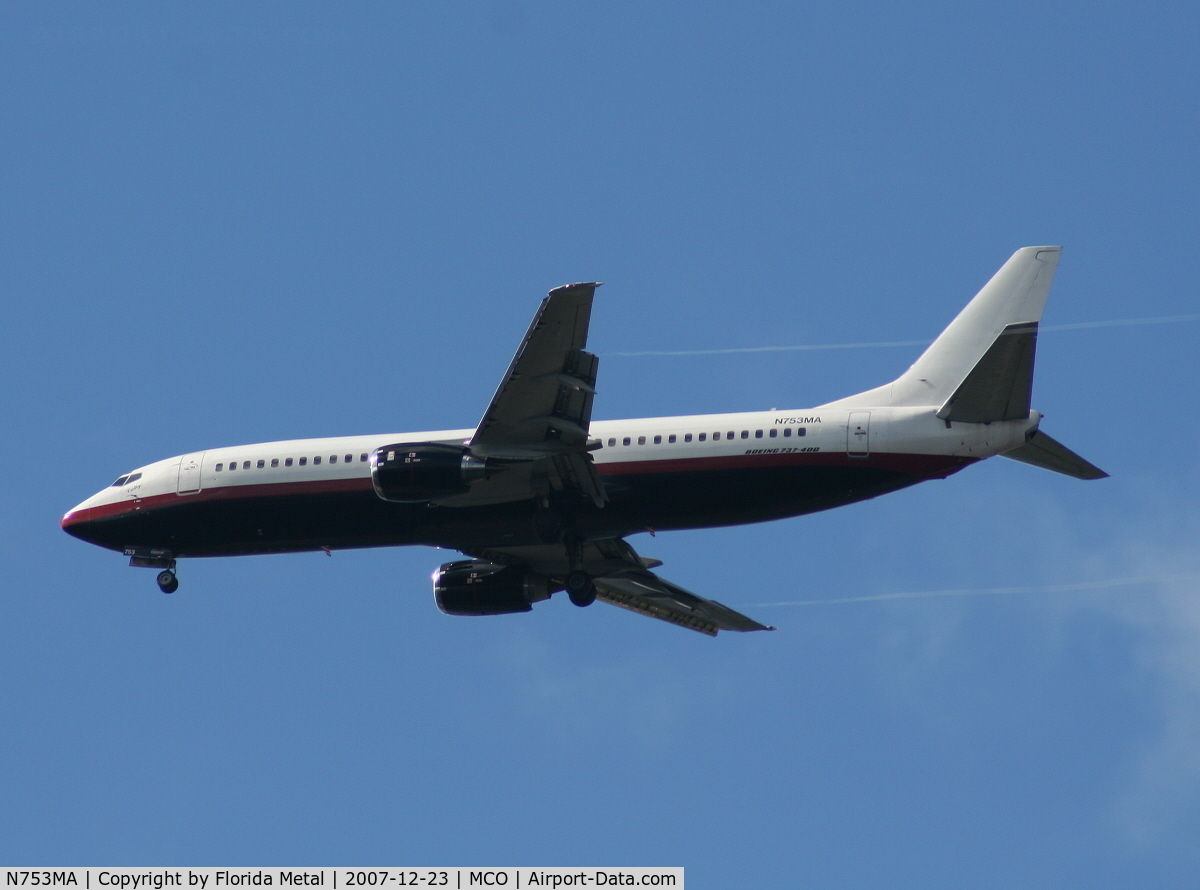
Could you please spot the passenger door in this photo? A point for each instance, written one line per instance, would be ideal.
(858, 434)
(190, 466)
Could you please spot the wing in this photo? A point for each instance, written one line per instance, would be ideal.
(544, 403)
(624, 579)
(647, 594)
(543, 408)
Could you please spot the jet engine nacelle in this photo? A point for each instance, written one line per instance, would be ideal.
(475, 587)
(416, 472)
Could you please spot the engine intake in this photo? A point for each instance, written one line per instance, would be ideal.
(415, 472)
(475, 587)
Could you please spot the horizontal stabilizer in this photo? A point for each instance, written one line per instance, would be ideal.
(1049, 454)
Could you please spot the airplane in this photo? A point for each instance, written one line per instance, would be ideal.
(541, 498)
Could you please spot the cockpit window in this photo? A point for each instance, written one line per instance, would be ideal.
(133, 477)
(121, 480)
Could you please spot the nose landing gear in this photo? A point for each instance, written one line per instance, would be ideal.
(150, 558)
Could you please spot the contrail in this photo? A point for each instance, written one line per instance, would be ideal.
(992, 591)
(804, 348)
(810, 347)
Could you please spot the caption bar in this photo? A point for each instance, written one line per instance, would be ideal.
(338, 878)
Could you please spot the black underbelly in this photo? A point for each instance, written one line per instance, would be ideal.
(267, 522)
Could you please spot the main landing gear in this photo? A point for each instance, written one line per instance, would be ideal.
(167, 582)
(580, 588)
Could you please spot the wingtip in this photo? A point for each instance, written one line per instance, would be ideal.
(578, 284)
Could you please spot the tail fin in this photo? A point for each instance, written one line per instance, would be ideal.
(981, 367)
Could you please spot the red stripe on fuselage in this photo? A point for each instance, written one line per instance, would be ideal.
(924, 466)
(218, 493)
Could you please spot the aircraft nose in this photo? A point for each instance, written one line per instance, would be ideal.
(78, 522)
(98, 521)
(75, 523)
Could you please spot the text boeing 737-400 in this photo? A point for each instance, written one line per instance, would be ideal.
(542, 498)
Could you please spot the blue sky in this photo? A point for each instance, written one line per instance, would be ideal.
(224, 224)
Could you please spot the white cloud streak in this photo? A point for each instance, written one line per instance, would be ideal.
(1104, 584)
(814, 347)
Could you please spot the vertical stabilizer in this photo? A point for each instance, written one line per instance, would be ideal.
(981, 367)
(1012, 301)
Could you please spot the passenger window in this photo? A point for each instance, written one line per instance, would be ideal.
(716, 437)
(687, 437)
(774, 432)
(220, 467)
(333, 458)
(787, 431)
(729, 435)
(703, 436)
(303, 461)
(288, 462)
(245, 465)
(800, 431)
(641, 440)
(348, 458)
(316, 460)
(745, 434)
(232, 465)
(658, 440)
(612, 442)
(625, 441)
(261, 464)
(274, 461)
(362, 458)
(671, 440)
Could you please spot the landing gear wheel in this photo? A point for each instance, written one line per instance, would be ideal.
(580, 588)
(167, 582)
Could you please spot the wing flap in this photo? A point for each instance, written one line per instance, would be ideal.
(578, 472)
(646, 593)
